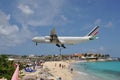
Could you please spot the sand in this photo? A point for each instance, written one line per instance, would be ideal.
(52, 70)
(59, 69)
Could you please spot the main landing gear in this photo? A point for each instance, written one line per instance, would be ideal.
(60, 47)
(36, 43)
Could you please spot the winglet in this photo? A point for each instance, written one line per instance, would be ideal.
(94, 31)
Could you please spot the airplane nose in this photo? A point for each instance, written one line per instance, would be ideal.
(34, 39)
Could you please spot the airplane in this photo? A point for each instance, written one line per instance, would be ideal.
(60, 41)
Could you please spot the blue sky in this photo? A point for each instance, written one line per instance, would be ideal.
(21, 20)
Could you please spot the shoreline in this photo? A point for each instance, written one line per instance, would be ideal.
(79, 75)
(64, 72)
(53, 70)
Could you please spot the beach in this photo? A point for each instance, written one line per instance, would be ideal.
(75, 70)
(51, 70)
(59, 69)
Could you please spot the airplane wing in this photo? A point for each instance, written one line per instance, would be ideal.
(53, 32)
(54, 38)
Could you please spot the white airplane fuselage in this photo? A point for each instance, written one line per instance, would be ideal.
(63, 40)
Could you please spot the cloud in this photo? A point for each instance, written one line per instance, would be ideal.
(11, 34)
(102, 48)
(25, 9)
(109, 24)
(8, 17)
(8, 29)
(97, 22)
(5, 27)
(14, 26)
(64, 18)
(40, 12)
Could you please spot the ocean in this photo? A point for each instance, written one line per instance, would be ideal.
(97, 70)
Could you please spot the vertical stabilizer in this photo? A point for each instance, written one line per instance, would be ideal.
(94, 31)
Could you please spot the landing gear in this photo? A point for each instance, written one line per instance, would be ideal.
(62, 45)
(60, 50)
(36, 43)
(57, 45)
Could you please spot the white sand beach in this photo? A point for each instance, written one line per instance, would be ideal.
(59, 69)
(51, 70)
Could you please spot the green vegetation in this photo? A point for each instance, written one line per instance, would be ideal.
(6, 67)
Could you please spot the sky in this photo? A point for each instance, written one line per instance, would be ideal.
(21, 20)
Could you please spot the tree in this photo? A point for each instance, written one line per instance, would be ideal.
(6, 67)
(107, 56)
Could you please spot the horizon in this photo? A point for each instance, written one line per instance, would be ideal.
(22, 20)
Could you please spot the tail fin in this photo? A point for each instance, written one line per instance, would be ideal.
(94, 31)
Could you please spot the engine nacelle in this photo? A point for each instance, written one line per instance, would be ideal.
(47, 41)
(47, 37)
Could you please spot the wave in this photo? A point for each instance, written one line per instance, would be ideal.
(84, 76)
(99, 70)
(81, 73)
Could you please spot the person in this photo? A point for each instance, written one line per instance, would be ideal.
(59, 78)
(71, 70)
(60, 65)
(55, 64)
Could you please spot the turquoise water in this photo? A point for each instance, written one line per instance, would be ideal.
(99, 70)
